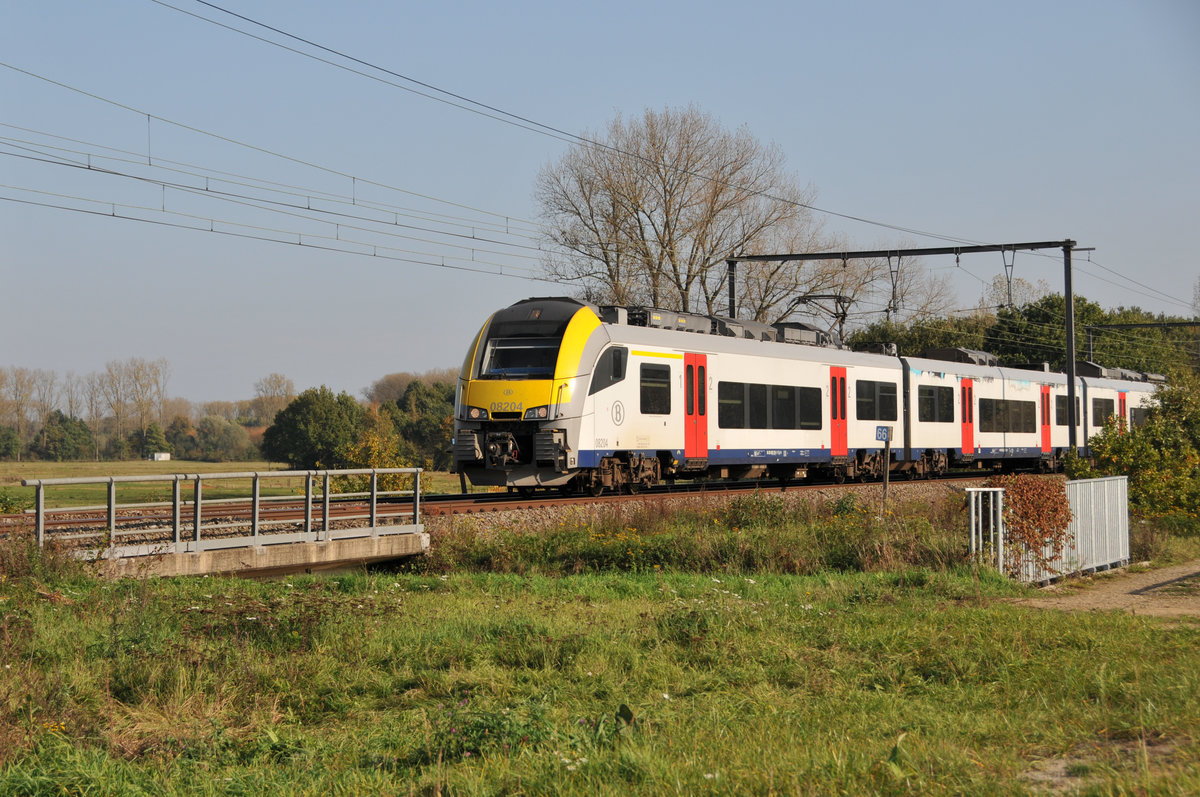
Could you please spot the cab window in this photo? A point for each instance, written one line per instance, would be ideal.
(610, 369)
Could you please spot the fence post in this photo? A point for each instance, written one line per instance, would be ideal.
(112, 511)
(40, 505)
(308, 487)
(175, 524)
(325, 507)
(417, 497)
(196, 513)
(374, 498)
(998, 502)
(254, 506)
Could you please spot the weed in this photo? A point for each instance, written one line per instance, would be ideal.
(11, 502)
(460, 732)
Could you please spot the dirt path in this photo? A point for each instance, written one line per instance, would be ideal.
(1166, 592)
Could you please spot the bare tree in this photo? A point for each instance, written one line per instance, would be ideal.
(1023, 292)
(95, 399)
(5, 403)
(392, 387)
(161, 374)
(177, 408)
(145, 382)
(45, 397)
(72, 394)
(19, 389)
(115, 386)
(271, 394)
(648, 212)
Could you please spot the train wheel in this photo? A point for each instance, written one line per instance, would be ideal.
(525, 492)
(595, 489)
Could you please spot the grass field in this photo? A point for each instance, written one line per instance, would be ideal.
(711, 668)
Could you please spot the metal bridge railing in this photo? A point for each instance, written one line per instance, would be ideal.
(197, 524)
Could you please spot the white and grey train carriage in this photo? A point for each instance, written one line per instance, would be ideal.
(557, 393)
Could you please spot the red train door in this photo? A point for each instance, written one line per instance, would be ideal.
(837, 411)
(1122, 415)
(1045, 419)
(968, 416)
(695, 388)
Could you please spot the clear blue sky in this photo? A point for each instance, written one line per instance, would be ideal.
(985, 122)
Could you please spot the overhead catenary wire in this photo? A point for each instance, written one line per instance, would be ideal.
(476, 242)
(213, 229)
(459, 101)
(507, 117)
(253, 147)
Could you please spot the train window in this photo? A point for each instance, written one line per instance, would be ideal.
(520, 358)
(656, 389)
(731, 405)
(935, 404)
(689, 389)
(1138, 416)
(875, 401)
(750, 406)
(1006, 415)
(783, 407)
(702, 399)
(610, 369)
(808, 406)
(1060, 411)
(1102, 410)
(757, 405)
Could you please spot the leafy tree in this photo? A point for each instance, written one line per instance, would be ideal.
(181, 437)
(378, 446)
(117, 448)
(64, 438)
(425, 419)
(914, 338)
(221, 440)
(1161, 457)
(10, 443)
(1035, 332)
(145, 443)
(315, 430)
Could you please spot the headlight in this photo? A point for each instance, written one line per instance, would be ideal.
(537, 413)
(476, 414)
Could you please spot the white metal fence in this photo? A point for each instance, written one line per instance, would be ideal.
(1097, 538)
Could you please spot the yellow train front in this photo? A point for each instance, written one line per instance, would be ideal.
(520, 394)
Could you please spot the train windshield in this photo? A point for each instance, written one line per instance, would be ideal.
(520, 358)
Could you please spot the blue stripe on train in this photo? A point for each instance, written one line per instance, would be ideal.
(770, 456)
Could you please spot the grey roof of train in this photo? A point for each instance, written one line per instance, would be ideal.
(720, 344)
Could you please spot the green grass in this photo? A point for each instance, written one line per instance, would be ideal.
(731, 661)
(483, 683)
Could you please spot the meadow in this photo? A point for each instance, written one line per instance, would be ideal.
(756, 647)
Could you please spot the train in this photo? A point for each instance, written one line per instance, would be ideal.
(559, 393)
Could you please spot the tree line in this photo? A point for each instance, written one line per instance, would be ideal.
(125, 412)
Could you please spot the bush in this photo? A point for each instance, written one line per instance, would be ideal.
(1036, 517)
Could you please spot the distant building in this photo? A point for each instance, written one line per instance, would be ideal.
(160, 456)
